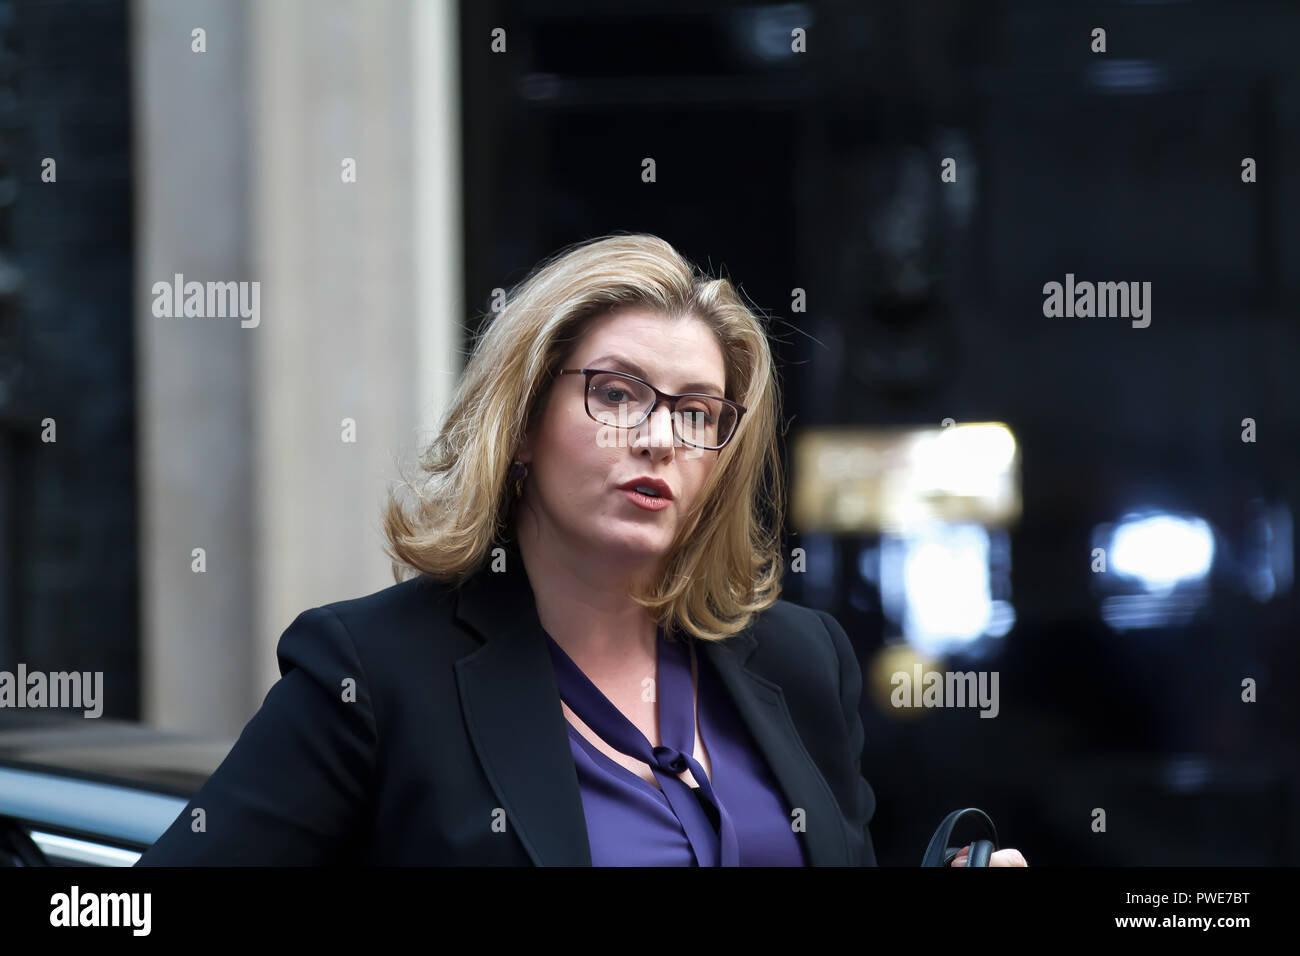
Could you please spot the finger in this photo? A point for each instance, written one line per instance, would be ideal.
(1007, 857)
(961, 857)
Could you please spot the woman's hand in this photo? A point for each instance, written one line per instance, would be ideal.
(1007, 857)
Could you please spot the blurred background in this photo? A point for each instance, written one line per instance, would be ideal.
(1075, 503)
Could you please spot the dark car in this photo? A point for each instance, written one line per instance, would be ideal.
(78, 792)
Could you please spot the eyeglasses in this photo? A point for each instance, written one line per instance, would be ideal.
(625, 401)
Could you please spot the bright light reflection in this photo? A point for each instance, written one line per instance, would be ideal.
(1162, 550)
(939, 578)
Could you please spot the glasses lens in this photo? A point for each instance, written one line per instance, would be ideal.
(615, 400)
(704, 422)
(699, 420)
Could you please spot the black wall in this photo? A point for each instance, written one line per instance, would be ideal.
(820, 171)
(68, 549)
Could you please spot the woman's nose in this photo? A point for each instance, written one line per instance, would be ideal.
(657, 430)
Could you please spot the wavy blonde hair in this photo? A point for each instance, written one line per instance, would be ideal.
(725, 564)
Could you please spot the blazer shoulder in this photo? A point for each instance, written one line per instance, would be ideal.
(795, 638)
(394, 627)
(413, 599)
(786, 622)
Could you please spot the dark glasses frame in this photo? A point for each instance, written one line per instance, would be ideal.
(659, 397)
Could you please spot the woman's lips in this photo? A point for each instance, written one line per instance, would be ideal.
(645, 501)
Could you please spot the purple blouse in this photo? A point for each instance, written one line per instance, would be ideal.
(631, 822)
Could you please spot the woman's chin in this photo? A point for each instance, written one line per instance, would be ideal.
(636, 547)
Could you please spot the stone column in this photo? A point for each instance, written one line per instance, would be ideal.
(323, 171)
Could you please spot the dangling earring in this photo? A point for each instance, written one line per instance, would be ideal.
(518, 472)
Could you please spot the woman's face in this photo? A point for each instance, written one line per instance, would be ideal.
(575, 465)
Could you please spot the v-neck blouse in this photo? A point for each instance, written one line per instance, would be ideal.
(631, 822)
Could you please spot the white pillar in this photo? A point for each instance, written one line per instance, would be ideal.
(439, 263)
(361, 316)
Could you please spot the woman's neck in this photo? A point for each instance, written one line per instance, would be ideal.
(584, 605)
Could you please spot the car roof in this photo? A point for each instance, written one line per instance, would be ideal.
(106, 750)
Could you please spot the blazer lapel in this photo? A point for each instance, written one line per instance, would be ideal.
(762, 708)
(513, 713)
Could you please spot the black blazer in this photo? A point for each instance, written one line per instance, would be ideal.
(453, 749)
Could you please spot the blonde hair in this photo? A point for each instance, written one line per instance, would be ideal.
(725, 564)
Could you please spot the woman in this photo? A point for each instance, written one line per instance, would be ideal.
(591, 665)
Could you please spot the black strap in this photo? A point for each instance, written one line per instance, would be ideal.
(939, 853)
